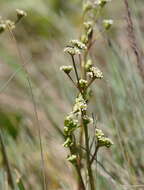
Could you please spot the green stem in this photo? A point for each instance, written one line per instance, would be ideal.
(91, 179)
(81, 185)
(94, 155)
(74, 65)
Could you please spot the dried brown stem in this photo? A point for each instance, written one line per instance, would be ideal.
(132, 39)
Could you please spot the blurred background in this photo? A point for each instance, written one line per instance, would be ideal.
(117, 103)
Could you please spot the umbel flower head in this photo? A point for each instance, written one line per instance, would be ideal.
(20, 13)
(101, 3)
(96, 73)
(102, 140)
(6, 24)
(75, 47)
(78, 44)
(72, 51)
(66, 69)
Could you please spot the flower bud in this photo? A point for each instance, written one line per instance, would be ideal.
(102, 3)
(68, 143)
(2, 27)
(107, 24)
(83, 83)
(87, 7)
(102, 140)
(88, 65)
(72, 158)
(20, 14)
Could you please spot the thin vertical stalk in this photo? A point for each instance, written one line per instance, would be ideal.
(91, 180)
(22, 61)
(6, 161)
(132, 39)
(74, 65)
(81, 185)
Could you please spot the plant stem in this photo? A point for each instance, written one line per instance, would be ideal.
(72, 80)
(94, 155)
(81, 185)
(91, 180)
(74, 65)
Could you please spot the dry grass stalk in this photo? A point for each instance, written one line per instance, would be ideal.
(132, 39)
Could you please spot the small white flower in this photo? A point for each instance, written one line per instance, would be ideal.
(107, 23)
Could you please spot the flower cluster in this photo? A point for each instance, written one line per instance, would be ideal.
(96, 73)
(70, 124)
(80, 105)
(78, 44)
(102, 140)
(75, 47)
(68, 142)
(101, 3)
(107, 23)
(85, 74)
(10, 25)
(72, 158)
(20, 13)
(72, 51)
(6, 24)
(66, 69)
(83, 83)
(88, 31)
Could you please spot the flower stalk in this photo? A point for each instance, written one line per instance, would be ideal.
(79, 118)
